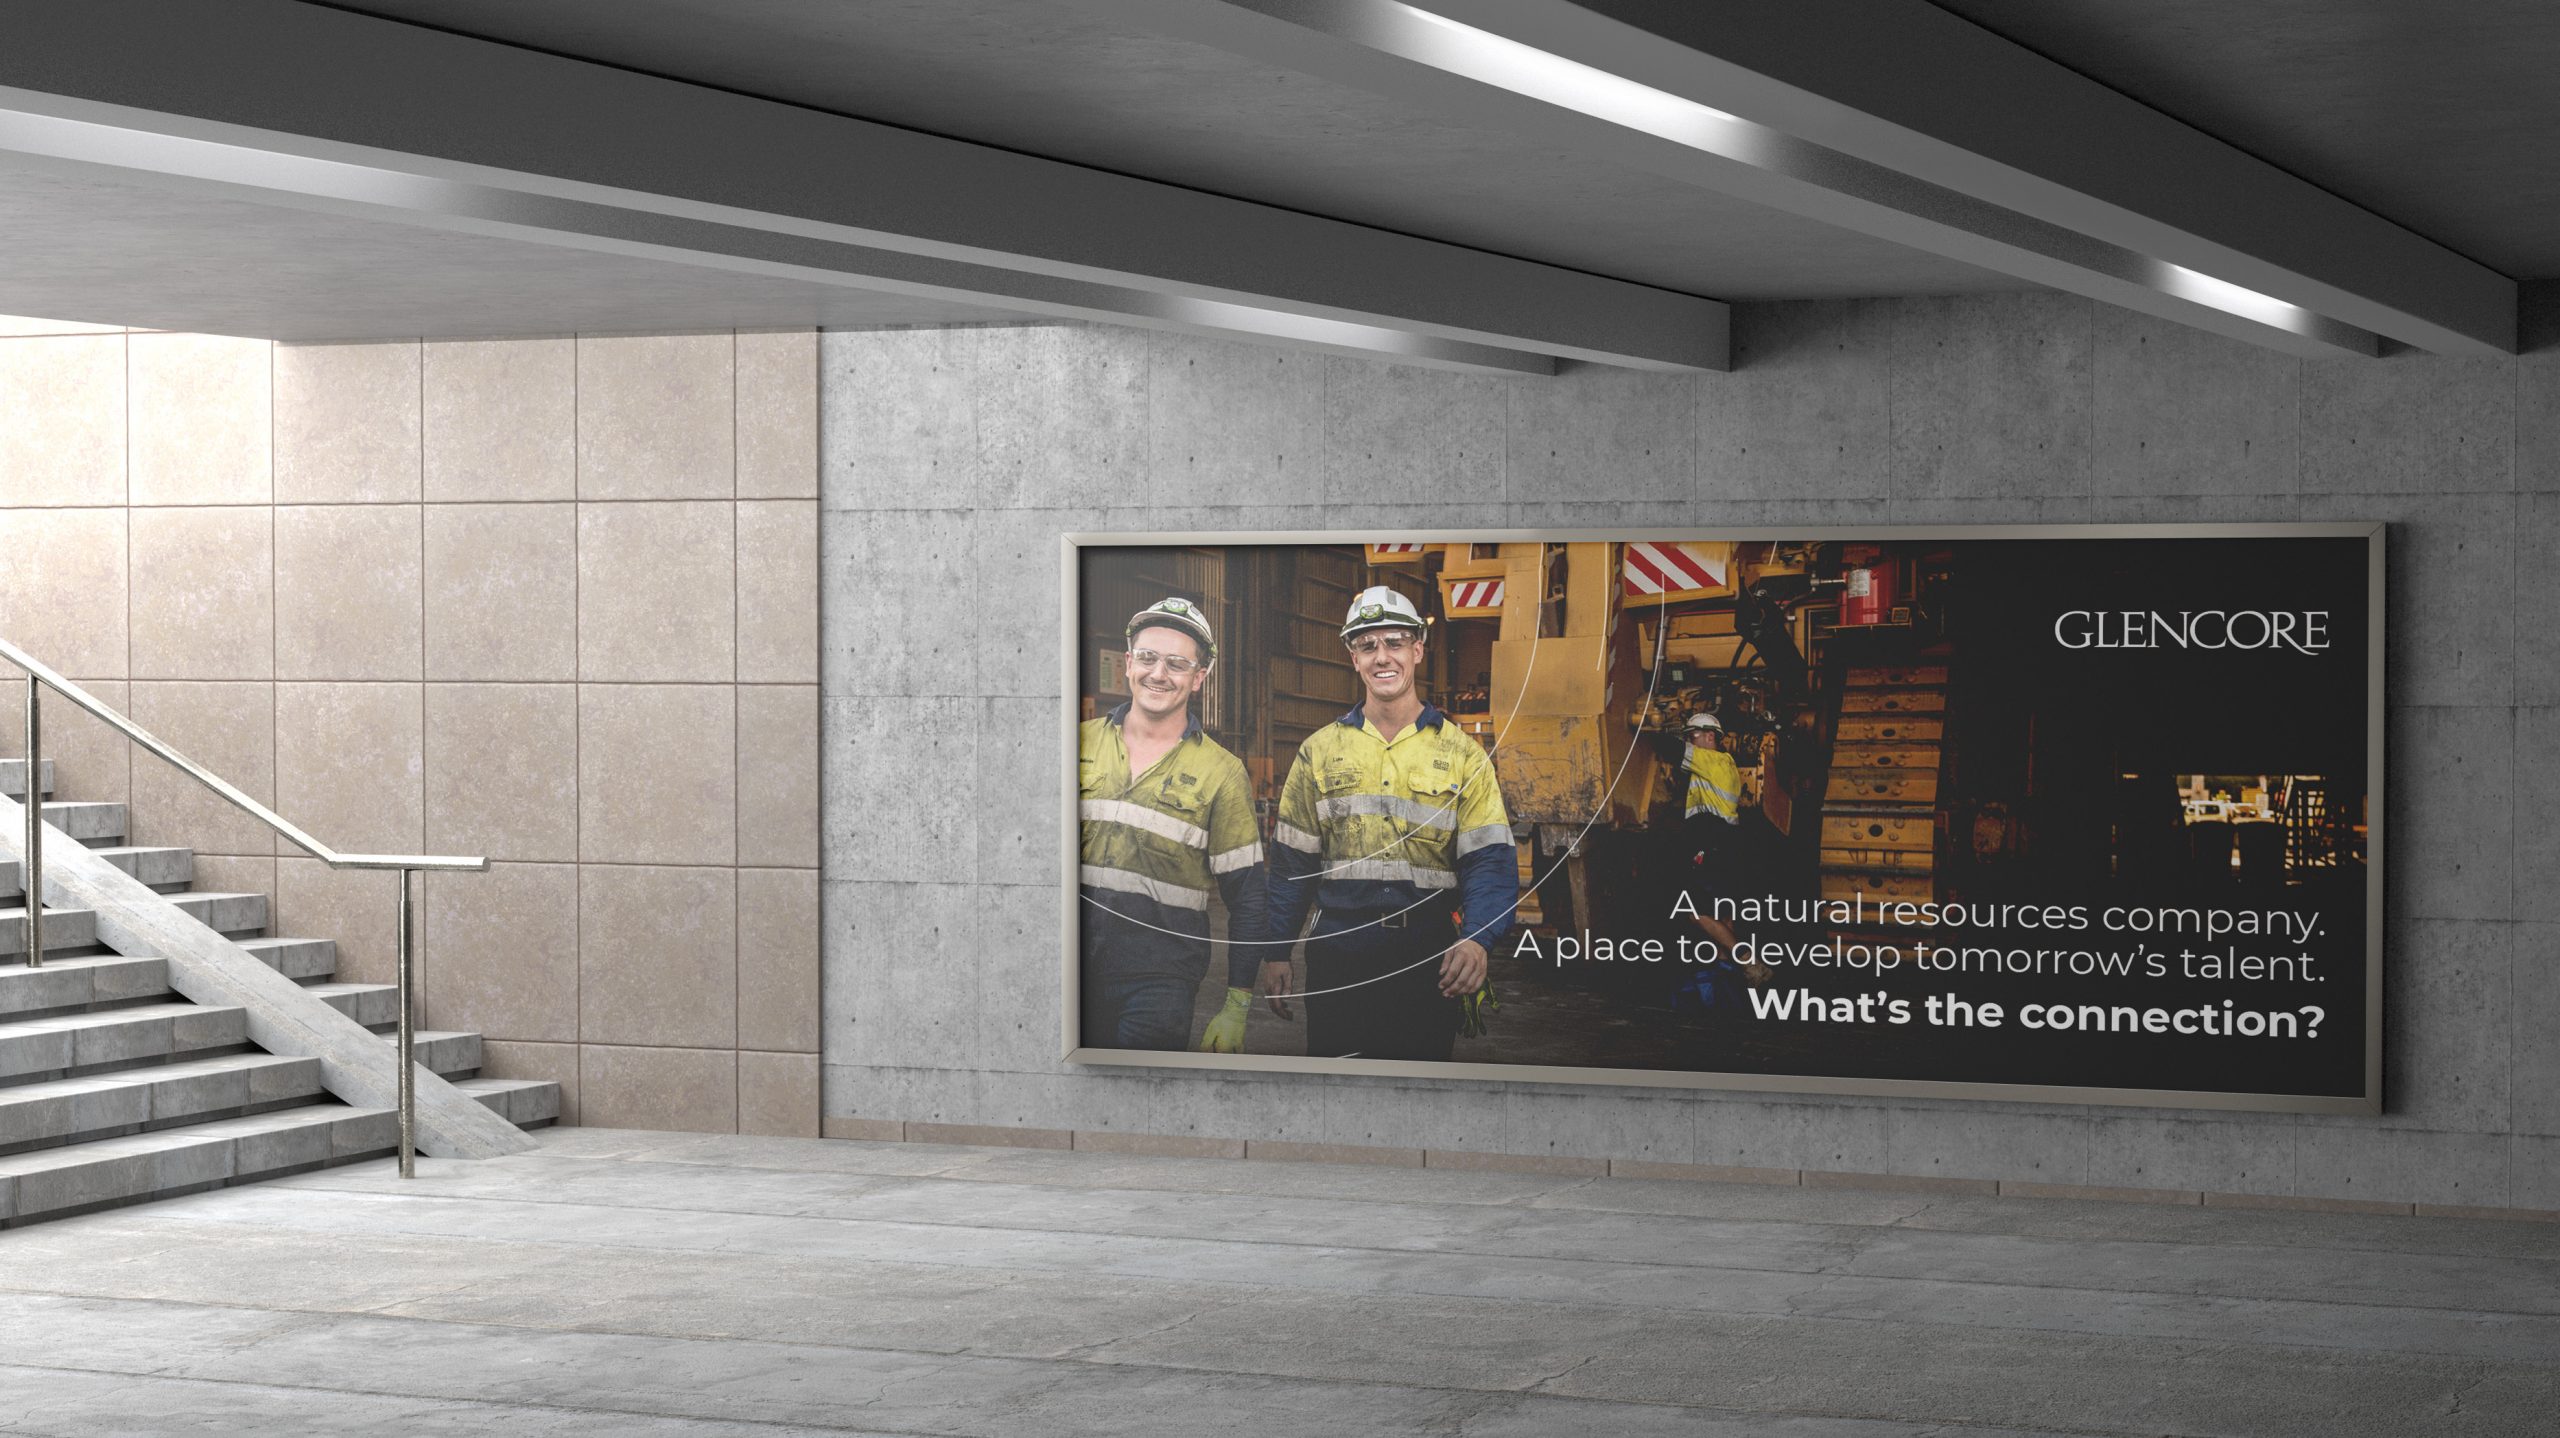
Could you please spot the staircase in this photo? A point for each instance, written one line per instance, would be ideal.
(1879, 812)
(115, 1090)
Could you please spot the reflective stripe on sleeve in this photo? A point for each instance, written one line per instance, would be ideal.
(1296, 838)
(1139, 816)
(1234, 859)
(1172, 896)
(1393, 872)
(1483, 837)
(1412, 811)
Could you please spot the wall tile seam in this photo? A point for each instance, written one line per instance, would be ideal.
(737, 791)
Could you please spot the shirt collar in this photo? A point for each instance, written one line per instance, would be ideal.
(1190, 721)
(1430, 717)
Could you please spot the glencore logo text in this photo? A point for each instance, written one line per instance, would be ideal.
(2303, 631)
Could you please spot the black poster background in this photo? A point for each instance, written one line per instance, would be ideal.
(2078, 720)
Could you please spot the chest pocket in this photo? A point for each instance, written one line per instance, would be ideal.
(1176, 797)
(1340, 775)
(1434, 794)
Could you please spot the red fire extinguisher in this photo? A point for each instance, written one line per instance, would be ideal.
(1868, 598)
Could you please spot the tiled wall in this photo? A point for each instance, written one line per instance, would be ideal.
(954, 459)
(551, 600)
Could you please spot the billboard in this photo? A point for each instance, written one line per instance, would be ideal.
(2082, 814)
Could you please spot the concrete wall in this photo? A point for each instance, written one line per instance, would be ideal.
(549, 600)
(951, 461)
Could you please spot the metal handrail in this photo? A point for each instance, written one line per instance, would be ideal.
(31, 875)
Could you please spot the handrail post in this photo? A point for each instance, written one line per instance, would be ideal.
(405, 937)
(31, 863)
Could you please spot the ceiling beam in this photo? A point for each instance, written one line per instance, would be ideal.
(301, 106)
(1896, 119)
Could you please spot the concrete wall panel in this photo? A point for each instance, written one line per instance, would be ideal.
(2452, 813)
(903, 618)
(1991, 396)
(2050, 1147)
(898, 419)
(1399, 435)
(1061, 416)
(1593, 433)
(1806, 413)
(2196, 1155)
(1233, 424)
(2534, 1022)
(2178, 411)
(2407, 423)
(2008, 408)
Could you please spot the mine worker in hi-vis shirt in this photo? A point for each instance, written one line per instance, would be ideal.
(1166, 815)
(1711, 821)
(1715, 782)
(1391, 822)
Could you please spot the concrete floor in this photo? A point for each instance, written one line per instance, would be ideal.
(667, 1284)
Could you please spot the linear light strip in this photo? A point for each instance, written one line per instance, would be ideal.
(1457, 48)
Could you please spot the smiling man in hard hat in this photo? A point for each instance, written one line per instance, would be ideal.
(1390, 821)
(1166, 816)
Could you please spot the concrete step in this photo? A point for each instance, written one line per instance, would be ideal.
(522, 1102)
(196, 1090)
(372, 1005)
(63, 1045)
(58, 1182)
(63, 929)
(78, 981)
(158, 868)
(159, 1095)
(224, 913)
(445, 1053)
(295, 958)
(91, 824)
(13, 773)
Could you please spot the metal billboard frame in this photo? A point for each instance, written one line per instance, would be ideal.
(2369, 1103)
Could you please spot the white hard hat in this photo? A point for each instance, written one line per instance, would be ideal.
(1176, 613)
(1704, 720)
(1380, 607)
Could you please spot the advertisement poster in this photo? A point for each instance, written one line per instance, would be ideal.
(2083, 814)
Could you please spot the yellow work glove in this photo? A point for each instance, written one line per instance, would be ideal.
(1225, 1034)
(1478, 1008)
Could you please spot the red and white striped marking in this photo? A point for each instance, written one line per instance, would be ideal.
(1671, 569)
(1474, 596)
(1394, 553)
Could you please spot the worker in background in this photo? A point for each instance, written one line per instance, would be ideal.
(1711, 820)
(1390, 820)
(1715, 782)
(1166, 815)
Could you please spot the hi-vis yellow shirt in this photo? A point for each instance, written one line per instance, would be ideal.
(1715, 785)
(1153, 845)
(1368, 822)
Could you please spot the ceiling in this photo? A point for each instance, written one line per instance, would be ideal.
(2444, 118)
(1045, 78)
(2435, 125)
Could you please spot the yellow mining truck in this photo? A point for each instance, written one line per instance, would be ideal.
(1579, 664)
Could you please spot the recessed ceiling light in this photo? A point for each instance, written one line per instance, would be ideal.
(2229, 298)
(1496, 60)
